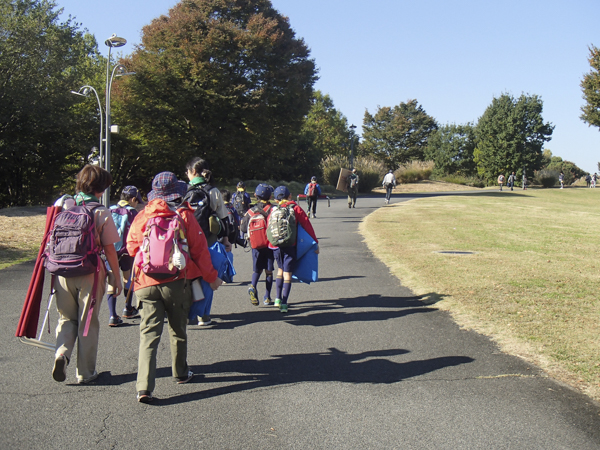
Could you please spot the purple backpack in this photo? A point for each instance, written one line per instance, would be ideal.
(72, 250)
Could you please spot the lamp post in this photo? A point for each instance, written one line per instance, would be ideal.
(118, 70)
(84, 91)
(352, 128)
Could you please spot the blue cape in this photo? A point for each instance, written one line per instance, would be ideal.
(222, 261)
(307, 261)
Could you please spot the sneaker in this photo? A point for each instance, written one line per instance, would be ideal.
(114, 321)
(283, 308)
(267, 302)
(252, 294)
(184, 379)
(132, 313)
(314, 216)
(278, 302)
(87, 380)
(349, 205)
(144, 396)
(59, 373)
(205, 320)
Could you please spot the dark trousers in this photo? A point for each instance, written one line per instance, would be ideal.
(312, 203)
(388, 192)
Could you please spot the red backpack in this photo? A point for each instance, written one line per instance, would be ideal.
(257, 226)
(312, 190)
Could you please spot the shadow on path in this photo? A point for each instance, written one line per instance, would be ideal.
(319, 313)
(333, 365)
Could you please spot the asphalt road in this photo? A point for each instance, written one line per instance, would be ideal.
(358, 362)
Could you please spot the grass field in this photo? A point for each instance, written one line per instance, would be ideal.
(533, 283)
(21, 232)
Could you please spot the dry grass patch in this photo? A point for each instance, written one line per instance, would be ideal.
(21, 232)
(533, 283)
(428, 186)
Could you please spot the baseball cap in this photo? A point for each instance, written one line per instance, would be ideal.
(281, 193)
(263, 191)
(313, 179)
(133, 192)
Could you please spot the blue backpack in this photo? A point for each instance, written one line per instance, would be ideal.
(123, 217)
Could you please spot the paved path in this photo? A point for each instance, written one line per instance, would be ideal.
(358, 362)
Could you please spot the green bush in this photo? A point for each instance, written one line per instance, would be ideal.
(414, 171)
(547, 178)
(460, 179)
(331, 168)
(369, 170)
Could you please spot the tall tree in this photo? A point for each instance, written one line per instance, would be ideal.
(397, 135)
(591, 90)
(451, 148)
(41, 60)
(327, 126)
(510, 136)
(223, 79)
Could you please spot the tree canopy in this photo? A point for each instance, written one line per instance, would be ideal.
(226, 80)
(591, 90)
(327, 126)
(451, 148)
(510, 136)
(41, 60)
(397, 135)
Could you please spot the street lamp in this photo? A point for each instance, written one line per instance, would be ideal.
(118, 70)
(84, 91)
(352, 128)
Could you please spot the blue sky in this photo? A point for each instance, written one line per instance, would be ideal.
(454, 57)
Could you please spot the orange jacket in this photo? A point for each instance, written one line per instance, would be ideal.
(199, 264)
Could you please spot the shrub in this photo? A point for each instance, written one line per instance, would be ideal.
(460, 179)
(547, 178)
(331, 168)
(370, 171)
(414, 171)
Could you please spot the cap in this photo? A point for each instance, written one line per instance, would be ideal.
(241, 185)
(133, 192)
(263, 191)
(281, 193)
(166, 186)
(313, 179)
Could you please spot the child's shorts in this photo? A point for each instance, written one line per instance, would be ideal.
(263, 259)
(286, 258)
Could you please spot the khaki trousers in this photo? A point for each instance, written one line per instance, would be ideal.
(73, 297)
(174, 298)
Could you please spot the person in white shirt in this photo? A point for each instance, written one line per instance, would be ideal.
(389, 182)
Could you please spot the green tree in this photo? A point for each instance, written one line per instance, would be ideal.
(397, 135)
(591, 90)
(222, 79)
(568, 168)
(327, 126)
(510, 136)
(41, 137)
(451, 148)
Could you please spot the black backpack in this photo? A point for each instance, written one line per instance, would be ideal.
(199, 199)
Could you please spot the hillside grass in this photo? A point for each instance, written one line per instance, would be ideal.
(533, 283)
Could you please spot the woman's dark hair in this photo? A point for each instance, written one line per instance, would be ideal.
(200, 166)
(93, 179)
